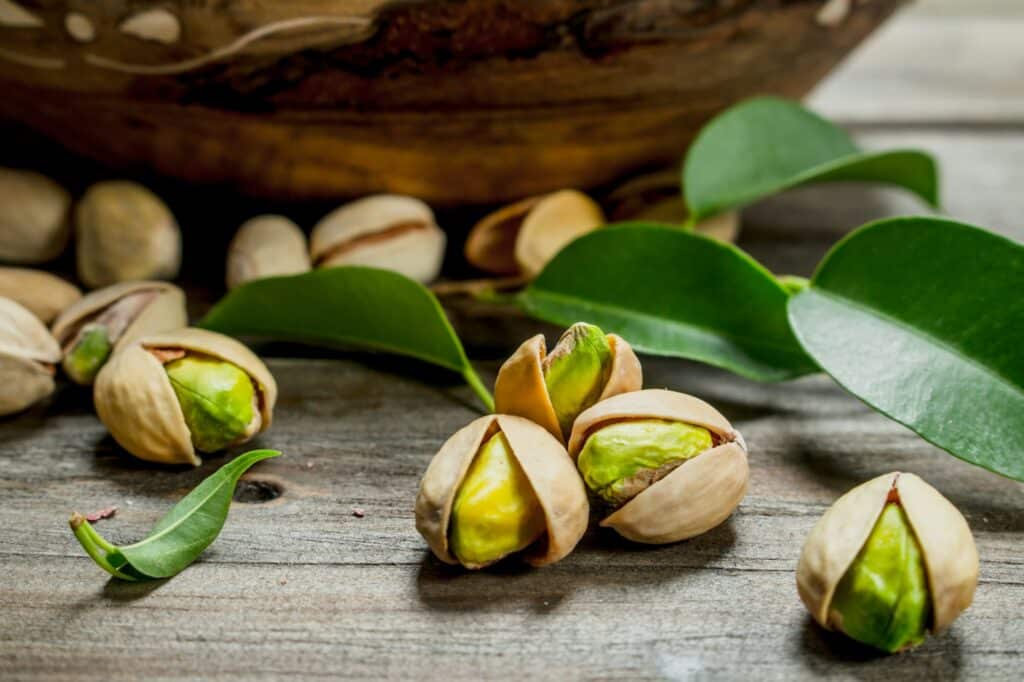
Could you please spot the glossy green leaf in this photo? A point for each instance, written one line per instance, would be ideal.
(923, 319)
(180, 536)
(670, 292)
(348, 306)
(766, 145)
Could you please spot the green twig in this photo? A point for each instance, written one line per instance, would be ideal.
(475, 383)
(95, 545)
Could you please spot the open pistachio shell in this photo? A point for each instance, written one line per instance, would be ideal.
(491, 244)
(44, 294)
(266, 246)
(542, 459)
(27, 357)
(163, 311)
(694, 497)
(34, 225)
(386, 231)
(520, 388)
(950, 556)
(136, 402)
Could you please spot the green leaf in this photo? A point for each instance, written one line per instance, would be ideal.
(348, 306)
(766, 145)
(180, 536)
(671, 292)
(923, 320)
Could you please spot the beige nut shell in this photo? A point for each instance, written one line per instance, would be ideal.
(46, 295)
(950, 555)
(34, 224)
(696, 496)
(266, 246)
(520, 389)
(544, 462)
(27, 356)
(362, 227)
(164, 313)
(135, 401)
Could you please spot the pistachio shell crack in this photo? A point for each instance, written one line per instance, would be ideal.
(576, 371)
(86, 358)
(217, 400)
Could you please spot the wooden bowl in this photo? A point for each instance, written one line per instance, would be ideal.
(456, 102)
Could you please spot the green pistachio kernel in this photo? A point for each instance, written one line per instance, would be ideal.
(495, 512)
(576, 371)
(88, 356)
(883, 598)
(216, 398)
(621, 459)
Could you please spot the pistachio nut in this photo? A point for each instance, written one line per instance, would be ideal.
(165, 396)
(44, 294)
(522, 238)
(108, 319)
(889, 561)
(266, 246)
(501, 486)
(672, 465)
(125, 233)
(27, 357)
(386, 231)
(551, 389)
(34, 225)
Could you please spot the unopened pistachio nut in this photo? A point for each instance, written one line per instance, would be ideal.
(552, 389)
(165, 396)
(520, 239)
(110, 318)
(498, 487)
(891, 560)
(34, 224)
(44, 294)
(125, 232)
(266, 246)
(28, 355)
(671, 464)
(387, 231)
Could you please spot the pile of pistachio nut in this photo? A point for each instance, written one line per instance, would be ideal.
(890, 561)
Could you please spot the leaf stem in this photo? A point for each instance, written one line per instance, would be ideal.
(95, 545)
(473, 379)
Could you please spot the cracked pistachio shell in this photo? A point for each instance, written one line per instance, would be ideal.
(34, 225)
(387, 231)
(694, 497)
(266, 246)
(136, 402)
(520, 388)
(545, 464)
(164, 312)
(28, 354)
(124, 233)
(945, 540)
(44, 294)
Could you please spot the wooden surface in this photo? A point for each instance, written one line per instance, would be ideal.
(300, 587)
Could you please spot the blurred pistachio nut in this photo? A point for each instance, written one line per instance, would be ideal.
(28, 355)
(387, 231)
(520, 239)
(672, 464)
(498, 487)
(551, 389)
(165, 396)
(34, 225)
(266, 246)
(889, 561)
(44, 294)
(108, 319)
(125, 233)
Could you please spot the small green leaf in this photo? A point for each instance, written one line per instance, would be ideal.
(671, 292)
(923, 320)
(180, 536)
(766, 145)
(348, 306)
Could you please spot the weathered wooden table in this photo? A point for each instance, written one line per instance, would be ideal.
(298, 584)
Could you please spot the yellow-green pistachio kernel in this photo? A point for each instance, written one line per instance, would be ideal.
(883, 597)
(576, 371)
(495, 512)
(91, 351)
(620, 460)
(217, 399)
